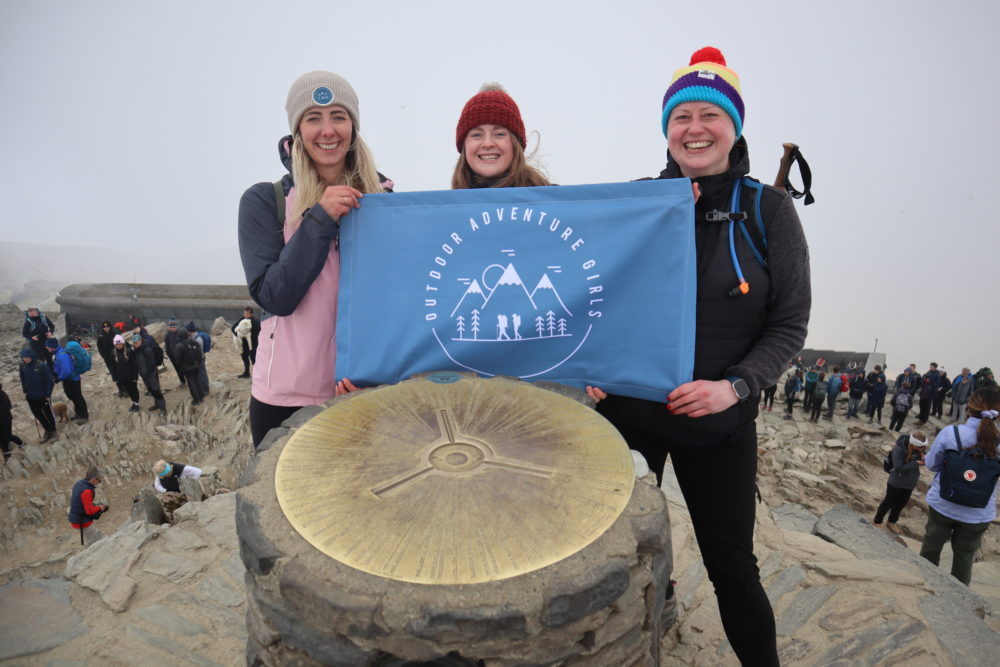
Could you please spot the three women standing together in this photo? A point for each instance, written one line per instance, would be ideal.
(744, 334)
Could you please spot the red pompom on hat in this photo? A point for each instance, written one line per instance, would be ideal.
(708, 54)
(491, 106)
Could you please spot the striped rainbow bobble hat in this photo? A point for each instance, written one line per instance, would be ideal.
(705, 79)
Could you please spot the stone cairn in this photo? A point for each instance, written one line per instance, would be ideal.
(603, 605)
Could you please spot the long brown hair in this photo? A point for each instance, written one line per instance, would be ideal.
(987, 398)
(520, 175)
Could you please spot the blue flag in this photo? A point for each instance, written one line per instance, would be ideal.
(583, 285)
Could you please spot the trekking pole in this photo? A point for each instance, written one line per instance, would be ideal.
(37, 430)
(790, 156)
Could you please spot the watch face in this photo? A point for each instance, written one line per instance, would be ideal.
(742, 389)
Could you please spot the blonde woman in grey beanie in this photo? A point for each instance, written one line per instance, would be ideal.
(288, 244)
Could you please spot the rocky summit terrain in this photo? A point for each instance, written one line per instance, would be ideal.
(843, 591)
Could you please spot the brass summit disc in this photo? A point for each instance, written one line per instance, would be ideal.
(453, 481)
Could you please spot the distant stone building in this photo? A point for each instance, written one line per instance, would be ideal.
(88, 304)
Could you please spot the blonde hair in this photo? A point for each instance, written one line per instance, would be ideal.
(359, 173)
(159, 467)
(520, 175)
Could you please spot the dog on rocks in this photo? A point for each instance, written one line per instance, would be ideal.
(61, 412)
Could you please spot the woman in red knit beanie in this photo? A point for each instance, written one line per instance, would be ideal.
(490, 141)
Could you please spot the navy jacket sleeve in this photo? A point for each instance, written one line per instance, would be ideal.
(279, 275)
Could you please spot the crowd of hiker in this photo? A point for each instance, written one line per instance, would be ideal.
(819, 389)
(132, 357)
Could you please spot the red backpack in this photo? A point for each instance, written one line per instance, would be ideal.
(844, 385)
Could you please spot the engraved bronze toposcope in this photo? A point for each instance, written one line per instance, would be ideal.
(452, 479)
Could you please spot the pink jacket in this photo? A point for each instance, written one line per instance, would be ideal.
(297, 353)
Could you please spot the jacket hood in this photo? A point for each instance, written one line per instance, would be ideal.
(72, 345)
(28, 352)
(285, 152)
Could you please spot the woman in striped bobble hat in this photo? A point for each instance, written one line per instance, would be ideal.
(753, 305)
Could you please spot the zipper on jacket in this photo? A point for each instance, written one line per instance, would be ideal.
(274, 328)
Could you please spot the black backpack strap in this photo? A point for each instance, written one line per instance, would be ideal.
(806, 178)
(958, 438)
(279, 201)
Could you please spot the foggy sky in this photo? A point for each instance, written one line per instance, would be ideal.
(137, 125)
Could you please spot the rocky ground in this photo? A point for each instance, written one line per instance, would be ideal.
(843, 592)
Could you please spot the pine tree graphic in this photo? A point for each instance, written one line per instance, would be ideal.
(562, 326)
(460, 326)
(550, 322)
(540, 326)
(475, 324)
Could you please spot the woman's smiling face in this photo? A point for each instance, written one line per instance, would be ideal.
(488, 150)
(700, 136)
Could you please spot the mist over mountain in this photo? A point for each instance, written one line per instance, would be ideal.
(33, 273)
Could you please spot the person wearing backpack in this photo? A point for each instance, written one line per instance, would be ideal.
(877, 390)
(809, 390)
(146, 365)
(288, 235)
(189, 358)
(906, 458)
(901, 402)
(204, 341)
(857, 390)
(752, 316)
(964, 523)
(38, 328)
(65, 372)
(793, 385)
(833, 389)
(106, 348)
(127, 369)
(37, 382)
(819, 391)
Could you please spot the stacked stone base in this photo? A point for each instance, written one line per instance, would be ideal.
(604, 605)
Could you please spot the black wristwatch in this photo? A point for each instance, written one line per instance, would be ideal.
(741, 388)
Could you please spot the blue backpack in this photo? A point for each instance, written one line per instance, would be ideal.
(968, 477)
(206, 339)
(81, 358)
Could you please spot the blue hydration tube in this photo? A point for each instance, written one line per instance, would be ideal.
(744, 286)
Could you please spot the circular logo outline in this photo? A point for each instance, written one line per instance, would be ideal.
(322, 96)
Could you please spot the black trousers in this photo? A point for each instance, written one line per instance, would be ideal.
(925, 409)
(874, 408)
(264, 417)
(718, 475)
(769, 396)
(893, 503)
(113, 371)
(131, 387)
(897, 419)
(180, 375)
(42, 409)
(6, 437)
(193, 384)
(74, 393)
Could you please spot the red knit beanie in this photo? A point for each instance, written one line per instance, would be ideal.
(492, 106)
